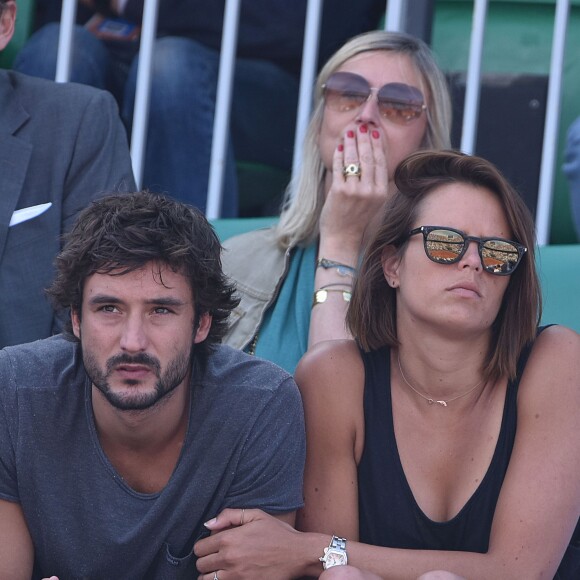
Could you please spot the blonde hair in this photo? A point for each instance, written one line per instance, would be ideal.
(304, 198)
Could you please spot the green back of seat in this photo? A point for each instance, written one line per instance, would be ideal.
(24, 22)
(228, 227)
(559, 270)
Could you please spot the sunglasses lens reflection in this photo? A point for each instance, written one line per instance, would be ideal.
(447, 246)
(345, 92)
(398, 102)
(499, 257)
(444, 246)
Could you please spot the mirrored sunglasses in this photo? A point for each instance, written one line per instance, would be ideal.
(397, 102)
(447, 246)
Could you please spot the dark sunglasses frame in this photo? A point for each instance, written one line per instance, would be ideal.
(481, 246)
(403, 107)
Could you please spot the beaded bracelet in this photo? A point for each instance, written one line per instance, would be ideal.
(342, 269)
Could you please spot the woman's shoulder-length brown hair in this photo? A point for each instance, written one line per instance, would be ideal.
(372, 312)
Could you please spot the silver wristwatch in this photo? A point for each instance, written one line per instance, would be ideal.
(335, 554)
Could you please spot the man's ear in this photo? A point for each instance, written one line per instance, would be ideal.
(7, 20)
(203, 328)
(76, 322)
(391, 260)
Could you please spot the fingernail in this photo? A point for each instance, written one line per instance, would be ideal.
(375, 134)
(210, 522)
(363, 128)
(350, 134)
(340, 147)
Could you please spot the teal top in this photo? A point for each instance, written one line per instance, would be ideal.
(283, 335)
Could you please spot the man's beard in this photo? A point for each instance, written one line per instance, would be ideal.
(177, 370)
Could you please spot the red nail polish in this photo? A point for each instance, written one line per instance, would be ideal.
(350, 134)
(363, 128)
(340, 147)
(375, 134)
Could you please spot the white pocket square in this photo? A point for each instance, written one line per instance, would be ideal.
(27, 213)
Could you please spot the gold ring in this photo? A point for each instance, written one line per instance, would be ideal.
(351, 170)
(242, 518)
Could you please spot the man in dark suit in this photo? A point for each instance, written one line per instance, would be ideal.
(61, 145)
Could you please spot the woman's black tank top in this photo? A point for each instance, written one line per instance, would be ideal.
(388, 513)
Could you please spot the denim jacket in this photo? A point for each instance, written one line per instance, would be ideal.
(258, 266)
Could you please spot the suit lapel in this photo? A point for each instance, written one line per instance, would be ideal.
(14, 153)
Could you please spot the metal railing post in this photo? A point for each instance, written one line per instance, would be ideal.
(307, 78)
(143, 89)
(546, 185)
(395, 18)
(221, 123)
(65, 41)
(473, 81)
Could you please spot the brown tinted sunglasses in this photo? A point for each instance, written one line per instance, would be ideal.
(398, 102)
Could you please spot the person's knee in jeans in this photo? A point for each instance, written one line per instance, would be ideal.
(181, 118)
(90, 57)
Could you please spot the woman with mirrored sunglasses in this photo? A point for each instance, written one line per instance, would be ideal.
(442, 442)
(448, 432)
(379, 98)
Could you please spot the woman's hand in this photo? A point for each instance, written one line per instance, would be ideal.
(352, 202)
(255, 546)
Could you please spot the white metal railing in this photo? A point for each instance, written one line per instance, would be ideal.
(548, 167)
(222, 111)
(473, 80)
(307, 76)
(67, 21)
(143, 89)
(396, 11)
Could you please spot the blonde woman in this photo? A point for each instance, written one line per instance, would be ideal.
(378, 99)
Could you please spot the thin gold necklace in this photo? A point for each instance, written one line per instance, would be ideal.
(429, 399)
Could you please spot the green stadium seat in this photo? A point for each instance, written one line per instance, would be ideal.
(559, 270)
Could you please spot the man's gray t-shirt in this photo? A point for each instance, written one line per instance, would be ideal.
(244, 447)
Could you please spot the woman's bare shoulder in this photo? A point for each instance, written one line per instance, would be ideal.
(332, 364)
(331, 354)
(556, 345)
(553, 368)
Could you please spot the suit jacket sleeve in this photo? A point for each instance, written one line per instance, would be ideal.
(100, 162)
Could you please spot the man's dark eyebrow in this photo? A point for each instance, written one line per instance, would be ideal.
(167, 301)
(103, 299)
(161, 301)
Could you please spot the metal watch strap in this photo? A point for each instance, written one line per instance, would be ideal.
(338, 543)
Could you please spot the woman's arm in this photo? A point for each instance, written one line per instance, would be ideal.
(351, 205)
(16, 550)
(539, 504)
(331, 381)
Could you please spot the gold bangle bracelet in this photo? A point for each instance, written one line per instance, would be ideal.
(321, 295)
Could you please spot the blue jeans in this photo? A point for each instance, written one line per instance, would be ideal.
(571, 169)
(182, 106)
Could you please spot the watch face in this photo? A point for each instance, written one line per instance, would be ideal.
(335, 559)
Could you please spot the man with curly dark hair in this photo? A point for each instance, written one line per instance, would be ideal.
(120, 438)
